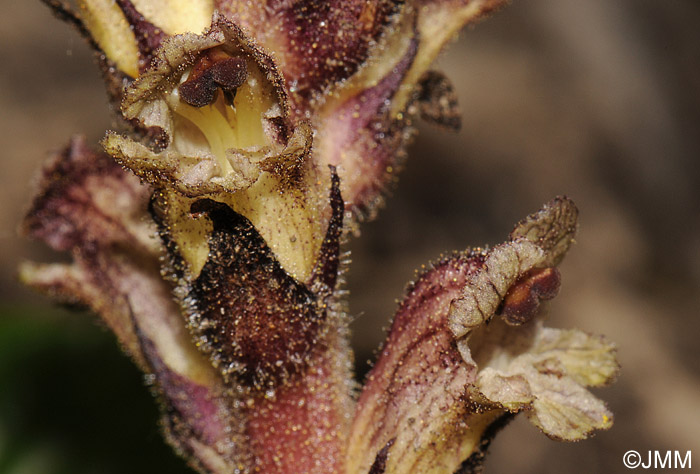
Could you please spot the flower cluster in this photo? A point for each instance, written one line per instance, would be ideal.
(208, 237)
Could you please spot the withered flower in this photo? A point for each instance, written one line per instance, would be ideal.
(213, 251)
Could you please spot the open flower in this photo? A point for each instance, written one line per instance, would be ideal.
(467, 349)
(217, 264)
(356, 71)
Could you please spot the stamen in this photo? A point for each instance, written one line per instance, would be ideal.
(232, 120)
(523, 299)
(212, 70)
(214, 126)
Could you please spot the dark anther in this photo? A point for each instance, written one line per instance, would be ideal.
(198, 92)
(230, 73)
(523, 298)
(213, 70)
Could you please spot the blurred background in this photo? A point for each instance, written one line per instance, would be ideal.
(597, 100)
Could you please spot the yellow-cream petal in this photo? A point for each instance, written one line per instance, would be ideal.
(112, 33)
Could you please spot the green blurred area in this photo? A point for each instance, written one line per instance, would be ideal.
(71, 402)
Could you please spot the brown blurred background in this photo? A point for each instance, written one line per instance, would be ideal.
(598, 100)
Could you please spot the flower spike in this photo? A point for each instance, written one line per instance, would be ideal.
(255, 136)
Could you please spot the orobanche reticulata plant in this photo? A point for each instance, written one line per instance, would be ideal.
(206, 233)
